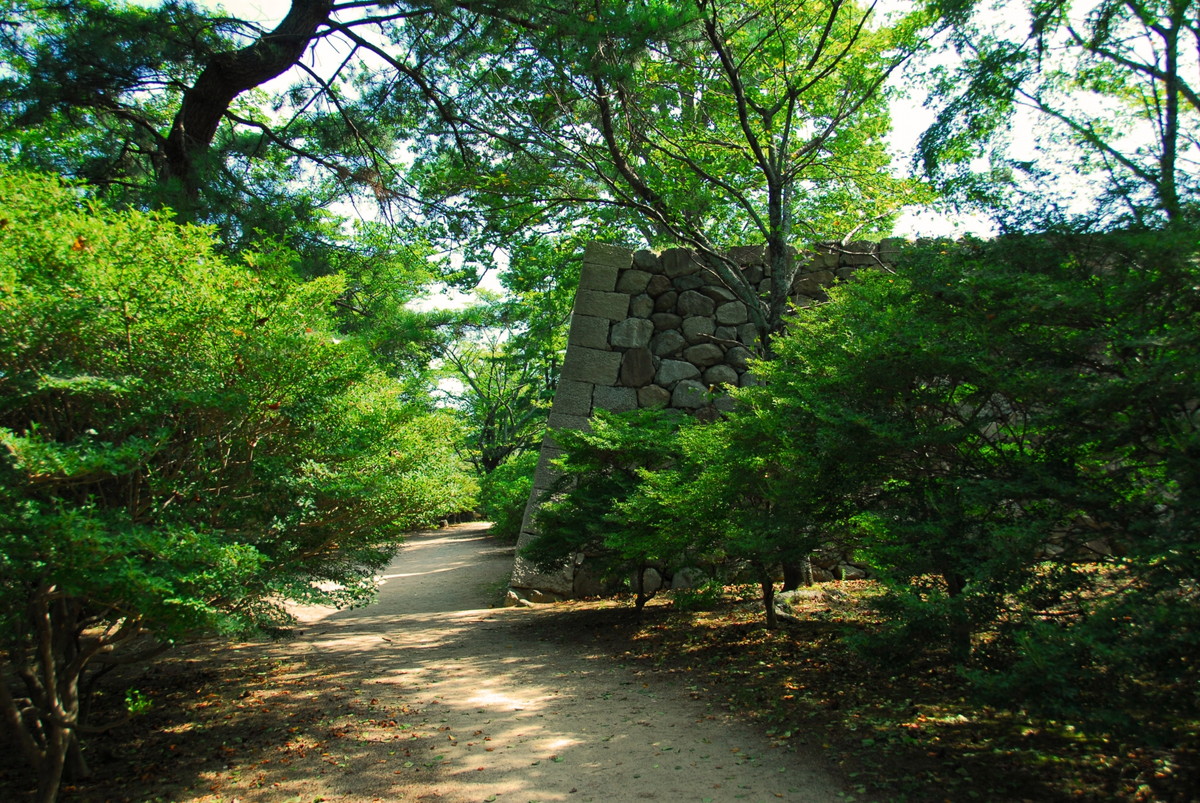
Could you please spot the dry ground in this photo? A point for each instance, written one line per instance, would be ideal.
(429, 694)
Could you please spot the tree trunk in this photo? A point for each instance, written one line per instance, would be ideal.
(768, 594)
(958, 627)
(640, 602)
(225, 77)
(796, 574)
(50, 768)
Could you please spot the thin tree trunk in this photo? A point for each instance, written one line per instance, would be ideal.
(640, 602)
(768, 595)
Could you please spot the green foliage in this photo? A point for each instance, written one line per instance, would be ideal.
(704, 597)
(723, 497)
(1108, 90)
(1011, 430)
(188, 444)
(504, 493)
(587, 510)
(137, 702)
(704, 124)
(652, 488)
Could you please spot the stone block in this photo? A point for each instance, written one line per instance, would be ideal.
(726, 333)
(689, 395)
(859, 252)
(704, 354)
(667, 344)
(810, 286)
(632, 281)
(738, 357)
(748, 334)
(890, 248)
(718, 292)
(605, 254)
(747, 380)
(678, 262)
(732, 313)
(591, 582)
(526, 576)
(589, 332)
(601, 278)
(546, 472)
(658, 285)
(614, 306)
(573, 398)
(690, 282)
(697, 328)
(592, 365)
(641, 306)
(720, 374)
(823, 277)
(753, 274)
(671, 371)
(666, 320)
(637, 368)
(652, 581)
(562, 421)
(693, 303)
(826, 256)
(653, 397)
(631, 333)
(666, 302)
(617, 400)
(748, 254)
(647, 261)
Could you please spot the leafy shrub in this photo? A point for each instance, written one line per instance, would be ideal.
(705, 597)
(187, 445)
(504, 493)
(584, 512)
(1014, 427)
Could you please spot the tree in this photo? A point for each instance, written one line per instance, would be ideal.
(730, 502)
(504, 366)
(1113, 79)
(586, 511)
(1011, 429)
(228, 123)
(707, 125)
(188, 443)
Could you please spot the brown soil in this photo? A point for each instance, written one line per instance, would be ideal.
(429, 694)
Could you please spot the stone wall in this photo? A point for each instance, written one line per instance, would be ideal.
(661, 330)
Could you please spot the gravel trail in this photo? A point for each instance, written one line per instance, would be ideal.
(508, 708)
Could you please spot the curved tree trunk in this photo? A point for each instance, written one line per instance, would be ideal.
(228, 75)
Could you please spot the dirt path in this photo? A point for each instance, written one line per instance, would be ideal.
(455, 701)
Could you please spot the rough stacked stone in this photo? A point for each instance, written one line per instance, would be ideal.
(660, 330)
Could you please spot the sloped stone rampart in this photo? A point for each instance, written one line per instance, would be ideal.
(654, 330)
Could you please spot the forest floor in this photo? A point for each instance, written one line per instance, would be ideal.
(429, 694)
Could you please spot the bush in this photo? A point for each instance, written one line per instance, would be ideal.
(504, 493)
(186, 447)
(585, 512)
(1013, 426)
